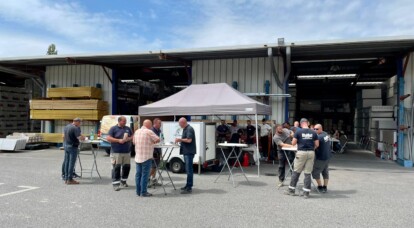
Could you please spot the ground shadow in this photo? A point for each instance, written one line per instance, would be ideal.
(334, 194)
(95, 180)
(252, 183)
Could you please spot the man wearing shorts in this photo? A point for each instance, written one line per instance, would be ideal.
(322, 156)
(307, 141)
(120, 137)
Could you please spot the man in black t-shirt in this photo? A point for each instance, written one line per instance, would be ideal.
(307, 141)
(251, 133)
(322, 156)
(188, 149)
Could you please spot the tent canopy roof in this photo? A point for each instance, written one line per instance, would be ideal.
(206, 99)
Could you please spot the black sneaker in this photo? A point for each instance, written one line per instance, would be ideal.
(124, 184)
(305, 194)
(75, 175)
(146, 194)
(320, 188)
(290, 192)
(117, 187)
(183, 188)
(324, 189)
(186, 191)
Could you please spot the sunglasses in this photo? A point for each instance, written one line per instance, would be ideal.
(316, 129)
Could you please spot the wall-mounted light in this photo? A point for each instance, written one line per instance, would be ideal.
(368, 83)
(292, 84)
(329, 76)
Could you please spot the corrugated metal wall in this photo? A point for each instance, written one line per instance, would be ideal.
(83, 75)
(250, 74)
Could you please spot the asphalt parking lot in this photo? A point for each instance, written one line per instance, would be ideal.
(364, 191)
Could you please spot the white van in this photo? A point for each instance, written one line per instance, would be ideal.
(111, 120)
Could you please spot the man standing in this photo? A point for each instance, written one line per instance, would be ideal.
(120, 137)
(144, 140)
(188, 149)
(156, 128)
(307, 141)
(222, 131)
(322, 156)
(250, 132)
(283, 138)
(234, 128)
(265, 131)
(72, 135)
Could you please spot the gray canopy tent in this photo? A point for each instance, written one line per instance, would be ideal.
(208, 99)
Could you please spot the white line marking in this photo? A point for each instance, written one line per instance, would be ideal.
(1, 183)
(26, 188)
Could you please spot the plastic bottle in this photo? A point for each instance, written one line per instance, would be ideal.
(92, 136)
(161, 138)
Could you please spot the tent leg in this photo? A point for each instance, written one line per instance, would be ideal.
(257, 148)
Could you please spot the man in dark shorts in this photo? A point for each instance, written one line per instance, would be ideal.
(322, 156)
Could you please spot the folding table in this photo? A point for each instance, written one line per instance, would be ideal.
(164, 157)
(233, 147)
(94, 164)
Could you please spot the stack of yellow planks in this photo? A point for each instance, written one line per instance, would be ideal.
(75, 92)
(71, 106)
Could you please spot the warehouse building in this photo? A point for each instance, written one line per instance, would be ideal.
(340, 84)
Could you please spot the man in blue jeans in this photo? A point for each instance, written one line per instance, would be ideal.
(188, 149)
(144, 140)
(72, 135)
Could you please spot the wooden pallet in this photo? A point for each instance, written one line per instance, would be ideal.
(67, 114)
(69, 104)
(75, 92)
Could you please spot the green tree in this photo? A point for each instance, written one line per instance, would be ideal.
(51, 50)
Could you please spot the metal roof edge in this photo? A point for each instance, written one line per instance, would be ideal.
(356, 40)
(215, 49)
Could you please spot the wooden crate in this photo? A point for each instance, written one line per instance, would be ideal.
(75, 92)
(52, 137)
(67, 114)
(69, 104)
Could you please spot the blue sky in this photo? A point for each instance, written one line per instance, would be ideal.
(27, 27)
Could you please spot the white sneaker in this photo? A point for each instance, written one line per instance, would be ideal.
(280, 184)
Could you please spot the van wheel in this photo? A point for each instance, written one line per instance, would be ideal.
(176, 165)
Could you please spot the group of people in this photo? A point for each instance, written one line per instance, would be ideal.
(237, 135)
(147, 157)
(311, 157)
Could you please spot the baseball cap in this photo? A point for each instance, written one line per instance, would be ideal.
(77, 119)
(303, 120)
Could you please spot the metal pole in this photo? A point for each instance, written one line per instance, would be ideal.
(400, 81)
(257, 148)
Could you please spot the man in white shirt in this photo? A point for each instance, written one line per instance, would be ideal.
(265, 131)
